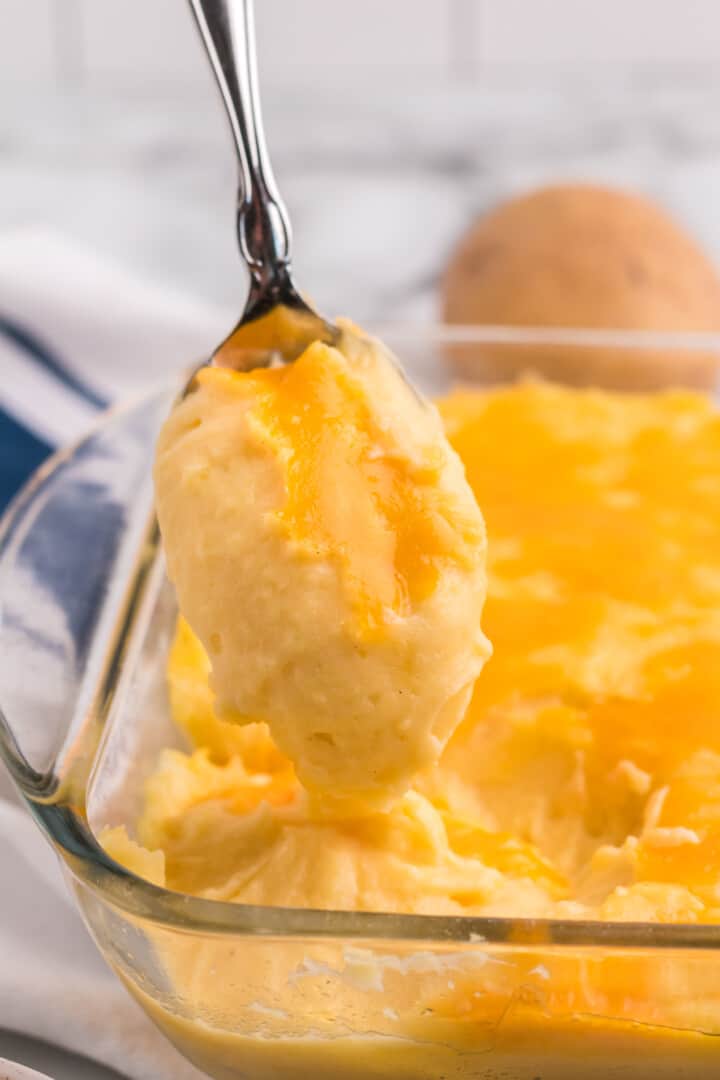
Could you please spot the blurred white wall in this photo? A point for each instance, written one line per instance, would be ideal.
(104, 42)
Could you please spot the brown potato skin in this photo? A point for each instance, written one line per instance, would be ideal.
(580, 256)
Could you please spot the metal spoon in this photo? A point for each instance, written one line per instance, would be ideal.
(277, 324)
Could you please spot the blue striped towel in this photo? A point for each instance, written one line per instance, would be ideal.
(77, 332)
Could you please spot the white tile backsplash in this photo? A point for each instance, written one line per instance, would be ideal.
(141, 41)
(155, 40)
(325, 42)
(27, 50)
(318, 39)
(574, 33)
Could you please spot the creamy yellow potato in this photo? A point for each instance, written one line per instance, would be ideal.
(583, 781)
(329, 553)
(523, 1042)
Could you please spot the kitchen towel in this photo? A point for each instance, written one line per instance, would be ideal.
(75, 333)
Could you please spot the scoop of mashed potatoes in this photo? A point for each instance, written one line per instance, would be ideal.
(584, 779)
(329, 554)
(583, 782)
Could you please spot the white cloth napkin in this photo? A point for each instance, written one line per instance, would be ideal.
(110, 330)
(113, 333)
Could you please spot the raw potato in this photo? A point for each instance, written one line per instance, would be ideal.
(584, 257)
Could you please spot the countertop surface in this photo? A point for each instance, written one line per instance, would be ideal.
(50, 1061)
(380, 179)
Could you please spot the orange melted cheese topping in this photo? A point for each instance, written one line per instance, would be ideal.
(603, 517)
(352, 491)
(584, 779)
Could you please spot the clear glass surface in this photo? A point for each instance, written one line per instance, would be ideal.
(85, 621)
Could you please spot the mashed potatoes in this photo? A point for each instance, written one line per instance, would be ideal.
(330, 556)
(584, 779)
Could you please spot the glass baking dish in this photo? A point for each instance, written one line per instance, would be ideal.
(85, 625)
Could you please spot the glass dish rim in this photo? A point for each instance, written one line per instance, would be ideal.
(70, 835)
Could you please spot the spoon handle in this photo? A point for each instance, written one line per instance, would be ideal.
(228, 33)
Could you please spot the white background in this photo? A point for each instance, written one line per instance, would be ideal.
(104, 42)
